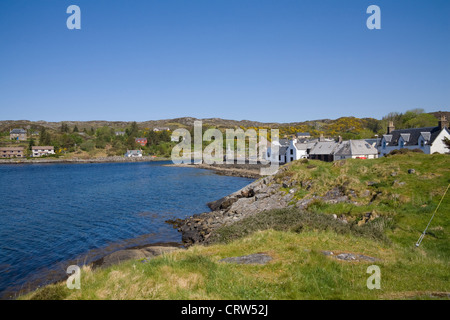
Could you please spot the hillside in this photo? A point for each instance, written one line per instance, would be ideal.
(318, 251)
(97, 139)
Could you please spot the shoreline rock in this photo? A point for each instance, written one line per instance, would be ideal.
(140, 252)
(267, 193)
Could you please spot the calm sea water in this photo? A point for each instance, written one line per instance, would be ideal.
(54, 215)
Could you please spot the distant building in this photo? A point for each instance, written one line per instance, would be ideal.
(18, 134)
(156, 129)
(133, 153)
(12, 152)
(303, 135)
(429, 139)
(119, 133)
(141, 141)
(39, 151)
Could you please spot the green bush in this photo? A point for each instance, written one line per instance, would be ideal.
(295, 220)
(87, 145)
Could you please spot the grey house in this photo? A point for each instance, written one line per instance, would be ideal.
(18, 134)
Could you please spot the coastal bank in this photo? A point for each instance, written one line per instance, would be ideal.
(81, 160)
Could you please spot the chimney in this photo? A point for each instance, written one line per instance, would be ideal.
(390, 127)
(443, 122)
(321, 137)
(340, 139)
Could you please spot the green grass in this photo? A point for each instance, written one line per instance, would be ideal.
(295, 240)
(298, 271)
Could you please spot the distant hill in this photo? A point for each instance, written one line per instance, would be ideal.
(319, 124)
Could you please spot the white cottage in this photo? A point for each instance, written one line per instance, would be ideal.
(429, 139)
(39, 151)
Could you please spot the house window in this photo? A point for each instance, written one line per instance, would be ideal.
(292, 151)
(422, 143)
(402, 144)
(268, 154)
(292, 159)
(384, 144)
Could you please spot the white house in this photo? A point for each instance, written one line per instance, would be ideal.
(157, 129)
(39, 151)
(296, 150)
(429, 139)
(133, 153)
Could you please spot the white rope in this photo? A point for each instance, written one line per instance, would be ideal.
(425, 231)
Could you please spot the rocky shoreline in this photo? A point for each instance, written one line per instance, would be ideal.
(79, 160)
(262, 194)
(266, 193)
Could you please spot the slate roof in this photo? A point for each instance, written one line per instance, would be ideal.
(411, 136)
(18, 131)
(42, 147)
(324, 147)
(356, 147)
(282, 150)
(12, 148)
(301, 146)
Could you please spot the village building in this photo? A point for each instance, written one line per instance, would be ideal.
(156, 129)
(280, 156)
(303, 135)
(119, 133)
(18, 134)
(430, 139)
(296, 150)
(12, 152)
(141, 141)
(324, 150)
(39, 151)
(355, 149)
(133, 153)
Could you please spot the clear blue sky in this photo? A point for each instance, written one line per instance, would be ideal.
(271, 61)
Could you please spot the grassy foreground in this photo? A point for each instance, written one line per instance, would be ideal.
(299, 270)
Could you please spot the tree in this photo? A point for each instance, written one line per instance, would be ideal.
(64, 128)
(31, 144)
(44, 137)
(133, 131)
(75, 129)
(447, 142)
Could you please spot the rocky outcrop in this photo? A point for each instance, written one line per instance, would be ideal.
(256, 258)
(263, 194)
(132, 253)
(267, 193)
(349, 256)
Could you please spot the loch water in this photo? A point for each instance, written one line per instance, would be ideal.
(54, 215)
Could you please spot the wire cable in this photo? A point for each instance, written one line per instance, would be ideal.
(425, 231)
